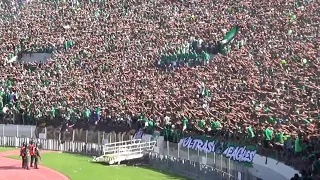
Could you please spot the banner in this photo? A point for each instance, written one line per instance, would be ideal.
(208, 145)
(139, 134)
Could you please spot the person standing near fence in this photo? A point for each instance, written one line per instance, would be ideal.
(32, 152)
(37, 155)
(22, 150)
(25, 156)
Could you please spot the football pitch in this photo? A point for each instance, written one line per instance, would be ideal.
(2, 149)
(78, 167)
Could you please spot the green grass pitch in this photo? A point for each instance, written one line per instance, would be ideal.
(4, 149)
(78, 167)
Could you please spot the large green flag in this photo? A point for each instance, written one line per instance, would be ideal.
(224, 44)
(230, 36)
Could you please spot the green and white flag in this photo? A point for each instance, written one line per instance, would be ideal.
(230, 36)
(225, 48)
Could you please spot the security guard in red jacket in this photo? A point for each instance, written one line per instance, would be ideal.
(32, 152)
(22, 150)
(25, 155)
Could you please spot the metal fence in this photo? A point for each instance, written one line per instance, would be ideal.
(192, 169)
(187, 168)
(218, 162)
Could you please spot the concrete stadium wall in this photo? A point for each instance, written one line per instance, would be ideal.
(113, 134)
(11, 130)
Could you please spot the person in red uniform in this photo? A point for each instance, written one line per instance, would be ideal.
(32, 153)
(24, 154)
(22, 150)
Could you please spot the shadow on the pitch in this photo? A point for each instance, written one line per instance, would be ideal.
(9, 167)
(136, 162)
(143, 163)
(102, 163)
(80, 154)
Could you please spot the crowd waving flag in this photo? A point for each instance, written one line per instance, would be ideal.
(228, 38)
(198, 52)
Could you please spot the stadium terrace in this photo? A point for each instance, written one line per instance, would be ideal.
(246, 73)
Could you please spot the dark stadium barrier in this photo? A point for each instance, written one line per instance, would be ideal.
(187, 168)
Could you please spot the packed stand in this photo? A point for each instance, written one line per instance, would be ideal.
(105, 66)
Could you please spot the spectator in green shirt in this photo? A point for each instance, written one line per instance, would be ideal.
(179, 57)
(298, 146)
(150, 126)
(278, 137)
(268, 133)
(202, 124)
(215, 125)
(186, 57)
(174, 57)
(251, 132)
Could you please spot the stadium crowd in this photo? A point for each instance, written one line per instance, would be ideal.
(104, 66)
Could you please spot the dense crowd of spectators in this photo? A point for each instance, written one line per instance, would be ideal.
(104, 66)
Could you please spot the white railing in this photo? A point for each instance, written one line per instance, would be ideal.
(129, 148)
(133, 141)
